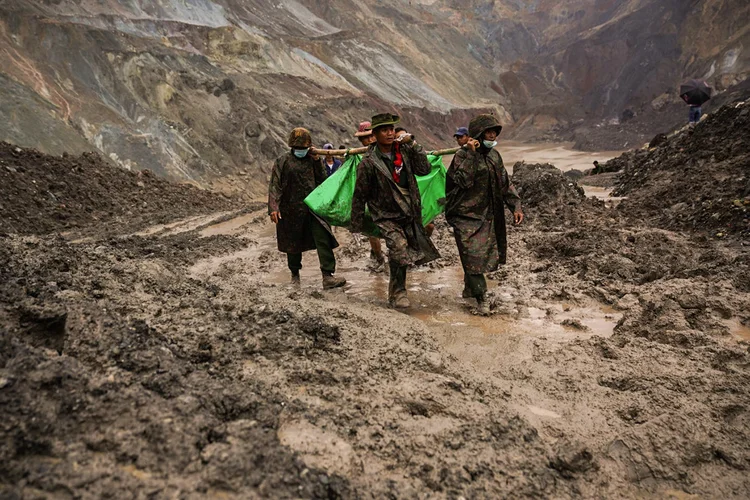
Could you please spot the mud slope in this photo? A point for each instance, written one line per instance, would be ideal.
(42, 194)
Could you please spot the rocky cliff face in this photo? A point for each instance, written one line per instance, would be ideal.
(205, 90)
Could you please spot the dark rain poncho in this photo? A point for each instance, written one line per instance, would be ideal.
(292, 180)
(477, 189)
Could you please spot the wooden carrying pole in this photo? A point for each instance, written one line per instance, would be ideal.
(359, 151)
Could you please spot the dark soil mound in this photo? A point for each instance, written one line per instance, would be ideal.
(549, 196)
(699, 179)
(42, 194)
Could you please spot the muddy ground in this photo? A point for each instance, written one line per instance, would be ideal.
(174, 361)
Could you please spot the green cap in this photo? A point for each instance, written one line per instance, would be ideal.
(383, 119)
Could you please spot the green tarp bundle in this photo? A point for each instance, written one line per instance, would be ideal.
(332, 200)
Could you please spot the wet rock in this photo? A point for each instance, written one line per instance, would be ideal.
(574, 174)
(626, 302)
(658, 140)
(572, 460)
(627, 115)
(320, 330)
(575, 324)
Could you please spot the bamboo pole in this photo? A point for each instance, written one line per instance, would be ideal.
(359, 151)
(338, 152)
(443, 152)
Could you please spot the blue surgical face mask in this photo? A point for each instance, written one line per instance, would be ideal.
(489, 144)
(301, 153)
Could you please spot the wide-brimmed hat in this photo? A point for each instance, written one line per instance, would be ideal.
(365, 129)
(481, 124)
(384, 119)
(461, 131)
(300, 138)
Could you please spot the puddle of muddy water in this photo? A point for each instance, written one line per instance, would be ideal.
(436, 301)
(435, 295)
(229, 227)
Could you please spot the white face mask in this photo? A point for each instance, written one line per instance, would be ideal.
(301, 153)
(489, 144)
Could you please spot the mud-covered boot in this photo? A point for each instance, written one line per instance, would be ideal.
(377, 262)
(331, 281)
(295, 279)
(400, 302)
(483, 308)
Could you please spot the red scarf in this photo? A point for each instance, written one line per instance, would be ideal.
(398, 162)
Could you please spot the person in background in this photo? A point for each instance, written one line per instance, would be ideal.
(597, 168)
(694, 114)
(387, 186)
(366, 137)
(477, 190)
(332, 164)
(462, 136)
(295, 175)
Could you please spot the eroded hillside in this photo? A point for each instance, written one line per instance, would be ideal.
(206, 90)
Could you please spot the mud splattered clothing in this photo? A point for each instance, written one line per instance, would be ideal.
(396, 209)
(477, 190)
(299, 230)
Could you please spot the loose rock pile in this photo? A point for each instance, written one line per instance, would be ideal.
(40, 194)
(550, 197)
(699, 179)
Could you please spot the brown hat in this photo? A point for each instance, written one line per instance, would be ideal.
(300, 138)
(384, 119)
(481, 124)
(365, 129)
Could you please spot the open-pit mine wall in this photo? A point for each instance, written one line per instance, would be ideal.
(206, 91)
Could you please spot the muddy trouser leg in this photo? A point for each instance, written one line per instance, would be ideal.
(398, 258)
(476, 284)
(294, 261)
(323, 245)
(397, 282)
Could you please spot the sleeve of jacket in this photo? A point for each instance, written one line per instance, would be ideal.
(463, 167)
(512, 199)
(361, 195)
(510, 196)
(418, 159)
(275, 188)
